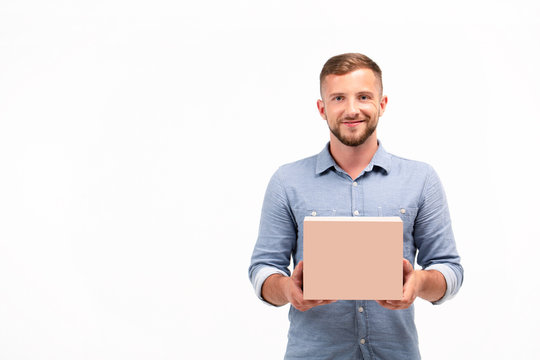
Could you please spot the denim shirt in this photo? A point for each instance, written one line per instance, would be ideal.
(388, 186)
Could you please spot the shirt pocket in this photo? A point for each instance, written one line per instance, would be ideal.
(319, 212)
(300, 214)
(408, 216)
(405, 213)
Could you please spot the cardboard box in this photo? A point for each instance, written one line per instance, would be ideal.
(353, 258)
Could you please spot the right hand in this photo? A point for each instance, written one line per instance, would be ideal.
(294, 293)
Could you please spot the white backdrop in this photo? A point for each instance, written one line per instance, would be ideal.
(137, 139)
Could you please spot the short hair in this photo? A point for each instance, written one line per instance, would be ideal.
(349, 62)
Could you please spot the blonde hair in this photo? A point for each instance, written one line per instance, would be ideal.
(346, 63)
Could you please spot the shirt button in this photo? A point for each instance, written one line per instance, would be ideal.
(356, 212)
(355, 183)
(313, 213)
(402, 211)
(362, 341)
(360, 309)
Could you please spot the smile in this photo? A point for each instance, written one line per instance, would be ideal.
(353, 123)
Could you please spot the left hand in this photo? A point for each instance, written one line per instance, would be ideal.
(410, 289)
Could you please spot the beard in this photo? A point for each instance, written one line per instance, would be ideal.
(355, 138)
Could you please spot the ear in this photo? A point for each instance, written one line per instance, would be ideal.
(320, 106)
(382, 105)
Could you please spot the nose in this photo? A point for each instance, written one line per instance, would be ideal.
(351, 109)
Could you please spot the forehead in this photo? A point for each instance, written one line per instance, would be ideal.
(355, 81)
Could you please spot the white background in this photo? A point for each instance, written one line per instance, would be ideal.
(137, 139)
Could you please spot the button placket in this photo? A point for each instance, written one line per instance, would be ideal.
(361, 318)
(356, 198)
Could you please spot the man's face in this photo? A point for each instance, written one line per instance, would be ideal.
(351, 105)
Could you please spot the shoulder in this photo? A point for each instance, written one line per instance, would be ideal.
(419, 175)
(297, 169)
(404, 166)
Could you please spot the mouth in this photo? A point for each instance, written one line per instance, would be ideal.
(353, 123)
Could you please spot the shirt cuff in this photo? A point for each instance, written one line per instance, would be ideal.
(260, 278)
(451, 281)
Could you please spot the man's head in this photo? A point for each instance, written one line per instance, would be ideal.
(352, 99)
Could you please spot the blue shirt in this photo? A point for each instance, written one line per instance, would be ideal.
(388, 186)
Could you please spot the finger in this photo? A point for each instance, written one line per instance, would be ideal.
(407, 267)
(298, 272)
(386, 304)
(305, 307)
(325, 302)
(408, 294)
(312, 302)
(393, 305)
(296, 290)
(300, 267)
(409, 288)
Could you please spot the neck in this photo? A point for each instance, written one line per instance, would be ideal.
(353, 159)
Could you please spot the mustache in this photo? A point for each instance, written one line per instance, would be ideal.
(352, 118)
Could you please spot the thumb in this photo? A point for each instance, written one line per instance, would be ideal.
(298, 273)
(299, 270)
(407, 269)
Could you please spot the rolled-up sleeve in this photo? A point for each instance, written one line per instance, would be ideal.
(276, 239)
(434, 237)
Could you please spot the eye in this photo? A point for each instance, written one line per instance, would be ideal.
(338, 98)
(364, 97)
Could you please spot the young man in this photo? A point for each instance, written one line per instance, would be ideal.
(354, 176)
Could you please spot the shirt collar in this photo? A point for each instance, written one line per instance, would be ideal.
(381, 159)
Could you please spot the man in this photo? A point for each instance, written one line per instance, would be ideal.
(354, 176)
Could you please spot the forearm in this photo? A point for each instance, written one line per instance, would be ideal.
(431, 285)
(273, 289)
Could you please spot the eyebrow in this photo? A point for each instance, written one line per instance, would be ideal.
(358, 93)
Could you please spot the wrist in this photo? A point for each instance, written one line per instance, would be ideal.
(284, 286)
(431, 285)
(420, 280)
(274, 290)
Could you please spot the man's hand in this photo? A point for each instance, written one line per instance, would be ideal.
(410, 289)
(294, 292)
(427, 284)
(279, 290)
